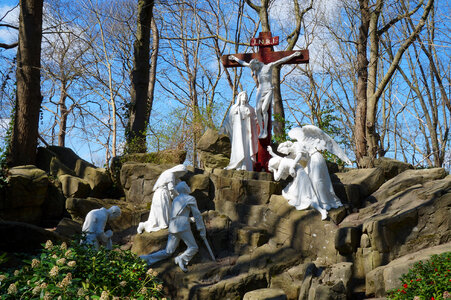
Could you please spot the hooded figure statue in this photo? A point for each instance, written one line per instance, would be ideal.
(164, 192)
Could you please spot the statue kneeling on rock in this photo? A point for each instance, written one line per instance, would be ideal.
(179, 229)
(94, 227)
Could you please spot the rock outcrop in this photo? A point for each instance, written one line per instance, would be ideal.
(269, 246)
(25, 194)
(392, 216)
(62, 162)
(214, 149)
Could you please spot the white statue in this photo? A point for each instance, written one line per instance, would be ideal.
(242, 129)
(94, 227)
(164, 192)
(299, 192)
(311, 186)
(263, 74)
(179, 229)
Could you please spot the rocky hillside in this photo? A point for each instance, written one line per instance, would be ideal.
(393, 216)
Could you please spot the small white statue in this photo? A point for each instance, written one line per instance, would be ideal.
(164, 192)
(179, 229)
(264, 99)
(242, 129)
(94, 227)
(310, 186)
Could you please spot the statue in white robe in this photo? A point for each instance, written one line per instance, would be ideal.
(164, 192)
(242, 129)
(310, 141)
(299, 192)
(311, 186)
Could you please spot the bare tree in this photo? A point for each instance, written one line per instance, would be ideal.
(62, 54)
(28, 101)
(369, 88)
(430, 100)
(140, 104)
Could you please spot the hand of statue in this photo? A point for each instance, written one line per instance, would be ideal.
(297, 54)
(292, 171)
(231, 57)
(108, 233)
(270, 150)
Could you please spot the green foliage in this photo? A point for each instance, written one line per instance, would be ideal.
(426, 280)
(80, 271)
(135, 143)
(277, 139)
(325, 121)
(5, 150)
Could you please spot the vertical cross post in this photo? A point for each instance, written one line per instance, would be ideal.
(266, 55)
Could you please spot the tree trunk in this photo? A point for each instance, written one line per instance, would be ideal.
(371, 109)
(278, 111)
(63, 115)
(136, 131)
(362, 80)
(153, 67)
(28, 96)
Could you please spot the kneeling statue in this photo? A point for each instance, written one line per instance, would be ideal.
(94, 227)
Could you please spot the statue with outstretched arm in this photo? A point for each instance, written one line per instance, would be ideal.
(262, 73)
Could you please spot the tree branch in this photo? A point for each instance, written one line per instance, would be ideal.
(399, 18)
(8, 46)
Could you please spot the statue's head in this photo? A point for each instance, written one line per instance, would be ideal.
(182, 188)
(255, 64)
(285, 147)
(114, 212)
(179, 170)
(242, 98)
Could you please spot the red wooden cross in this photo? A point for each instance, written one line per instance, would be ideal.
(265, 54)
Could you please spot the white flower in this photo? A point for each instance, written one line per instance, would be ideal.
(36, 290)
(16, 273)
(152, 272)
(72, 263)
(61, 261)
(12, 289)
(48, 244)
(64, 246)
(54, 271)
(104, 296)
(35, 263)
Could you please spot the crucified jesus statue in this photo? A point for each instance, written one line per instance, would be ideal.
(262, 74)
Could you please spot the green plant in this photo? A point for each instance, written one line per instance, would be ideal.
(80, 271)
(426, 280)
(4, 151)
(277, 139)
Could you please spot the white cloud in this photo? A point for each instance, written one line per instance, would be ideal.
(10, 15)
